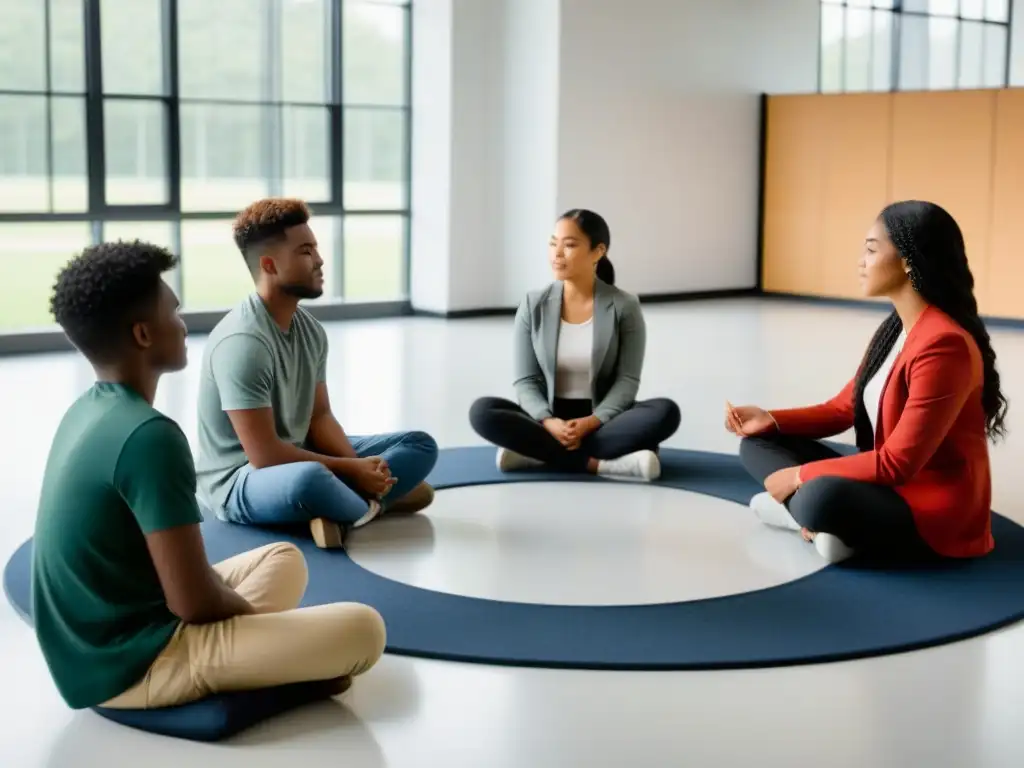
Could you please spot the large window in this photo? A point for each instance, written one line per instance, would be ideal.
(160, 119)
(913, 45)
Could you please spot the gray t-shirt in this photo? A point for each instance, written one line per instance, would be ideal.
(249, 362)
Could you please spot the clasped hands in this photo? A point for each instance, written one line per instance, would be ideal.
(750, 421)
(571, 433)
(372, 476)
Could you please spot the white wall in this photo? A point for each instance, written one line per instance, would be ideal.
(660, 128)
(646, 111)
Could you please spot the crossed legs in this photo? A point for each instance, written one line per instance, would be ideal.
(278, 645)
(844, 516)
(642, 428)
(308, 492)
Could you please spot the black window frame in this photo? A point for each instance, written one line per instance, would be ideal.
(899, 12)
(99, 211)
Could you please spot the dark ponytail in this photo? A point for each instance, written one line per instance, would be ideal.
(605, 271)
(596, 229)
(930, 242)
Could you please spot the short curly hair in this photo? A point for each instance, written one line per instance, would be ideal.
(101, 292)
(266, 221)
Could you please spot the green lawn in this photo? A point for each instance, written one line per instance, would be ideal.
(213, 275)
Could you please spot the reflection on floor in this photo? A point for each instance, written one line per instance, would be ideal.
(957, 705)
(583, 544)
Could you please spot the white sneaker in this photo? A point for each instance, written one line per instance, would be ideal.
(510, 461)
(641, 464)
(770, 512)
(831, 547)
(371, 513)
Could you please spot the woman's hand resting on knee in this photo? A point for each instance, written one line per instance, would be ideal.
(783, 483)
(747, 420)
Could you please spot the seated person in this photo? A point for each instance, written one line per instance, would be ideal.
(270, 450)
(127, 609)
(579, 351)
(923, 402)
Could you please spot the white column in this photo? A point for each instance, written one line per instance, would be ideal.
(431, 153)
(1017, 44)
(457, 230)
(531, 147)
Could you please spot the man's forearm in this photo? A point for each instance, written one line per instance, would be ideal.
(281, 452)
(327, 435)
(222, 603)
(232, 604)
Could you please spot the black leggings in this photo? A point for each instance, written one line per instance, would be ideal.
(872, 519)
(643, 427)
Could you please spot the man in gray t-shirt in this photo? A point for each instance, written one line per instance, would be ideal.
(270, 450)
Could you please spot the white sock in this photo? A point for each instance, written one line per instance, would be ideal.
(510, 461)
(831, 547)
(371, 513)
(641, 464)
(770, 512)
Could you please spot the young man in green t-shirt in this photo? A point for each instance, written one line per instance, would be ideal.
(127, 609)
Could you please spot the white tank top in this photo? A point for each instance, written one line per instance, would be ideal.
(874, 388)
(572, 360)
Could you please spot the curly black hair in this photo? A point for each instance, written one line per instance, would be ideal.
(931, 243)
(101, 292)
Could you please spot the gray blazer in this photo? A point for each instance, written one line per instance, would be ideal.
(620, 339)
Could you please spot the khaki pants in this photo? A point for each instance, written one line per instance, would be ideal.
(279, 644)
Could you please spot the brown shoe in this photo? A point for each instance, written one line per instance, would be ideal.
(327, 534)
(339, 685)
(419, 498)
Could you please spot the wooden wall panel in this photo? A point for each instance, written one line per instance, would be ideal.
(833, 161)
(1005, 288)
(792, 195)
(856, 134)
(942, 150)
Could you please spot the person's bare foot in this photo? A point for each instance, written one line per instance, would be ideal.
(419, 498)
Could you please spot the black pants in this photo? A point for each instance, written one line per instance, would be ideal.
(643, 427)
(872, 519)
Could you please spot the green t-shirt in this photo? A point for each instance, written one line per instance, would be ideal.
(249, 362)
(118, 469)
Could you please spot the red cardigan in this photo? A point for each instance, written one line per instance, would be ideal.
(930, 441)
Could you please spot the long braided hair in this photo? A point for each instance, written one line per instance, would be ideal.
(930, 242)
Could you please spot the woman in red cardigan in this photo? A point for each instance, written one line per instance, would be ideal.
(923, 404)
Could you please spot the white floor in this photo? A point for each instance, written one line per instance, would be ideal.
(958, 705)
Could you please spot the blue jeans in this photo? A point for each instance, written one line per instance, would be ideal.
(301, 491)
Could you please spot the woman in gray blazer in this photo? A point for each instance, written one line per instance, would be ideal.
(579, 351)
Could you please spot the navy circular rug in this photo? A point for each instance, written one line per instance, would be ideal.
(839, 612)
